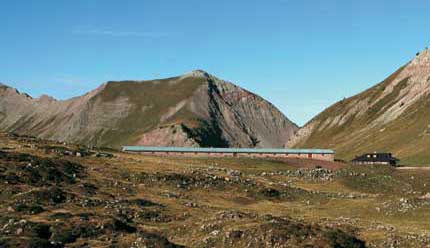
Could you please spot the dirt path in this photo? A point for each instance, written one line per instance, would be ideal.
(413, 168)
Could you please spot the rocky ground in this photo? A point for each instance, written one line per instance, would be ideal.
(49, 199)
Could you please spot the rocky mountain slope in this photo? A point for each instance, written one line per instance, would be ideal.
(391, 116)
(196, 109)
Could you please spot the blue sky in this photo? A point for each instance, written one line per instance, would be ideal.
(302, 55)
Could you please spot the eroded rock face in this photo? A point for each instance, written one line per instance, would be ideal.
(174, 135)
(380, 118)
(257, 122)
(195, 109)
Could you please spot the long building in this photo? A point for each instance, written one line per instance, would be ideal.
(317, 154)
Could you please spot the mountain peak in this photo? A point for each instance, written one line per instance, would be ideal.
(13, 91)
(191, 111)
(46, 98)
(197, 73)
(422, 58)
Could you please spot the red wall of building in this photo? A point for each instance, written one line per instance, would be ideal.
(323, 157)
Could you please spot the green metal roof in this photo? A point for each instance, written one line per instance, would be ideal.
(223, 150)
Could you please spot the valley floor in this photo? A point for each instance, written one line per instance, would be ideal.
(130, 200)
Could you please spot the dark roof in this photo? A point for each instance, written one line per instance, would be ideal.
(224, 150)
(375, 157)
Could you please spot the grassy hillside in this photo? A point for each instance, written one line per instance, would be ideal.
(132, 200)
(149, 101)
(362, 123)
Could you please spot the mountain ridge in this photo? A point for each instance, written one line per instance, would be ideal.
(390, 116)
(194, 109)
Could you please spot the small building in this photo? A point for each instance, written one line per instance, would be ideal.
(375, 159)
(316, 154)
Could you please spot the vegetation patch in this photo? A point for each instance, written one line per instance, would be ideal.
(36, 171)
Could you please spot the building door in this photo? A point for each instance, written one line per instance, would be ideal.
(309, 155)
